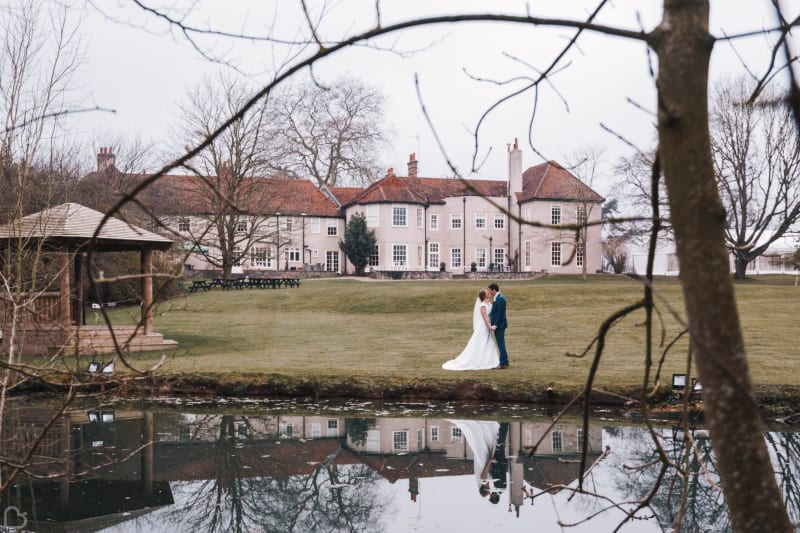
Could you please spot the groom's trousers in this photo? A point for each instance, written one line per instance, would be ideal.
(500, 337)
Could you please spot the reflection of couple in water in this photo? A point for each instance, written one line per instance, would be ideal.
(487, 440)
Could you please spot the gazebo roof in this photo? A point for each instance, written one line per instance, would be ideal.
(76, 224)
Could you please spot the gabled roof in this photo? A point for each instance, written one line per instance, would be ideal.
(77, 223)
(188, 194)
(422, 190)
(551, 181)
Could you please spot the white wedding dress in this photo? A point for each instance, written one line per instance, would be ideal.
(481, 350)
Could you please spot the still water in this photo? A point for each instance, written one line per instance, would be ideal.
(263, 467)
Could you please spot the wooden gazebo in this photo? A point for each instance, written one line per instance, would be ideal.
(55, 319)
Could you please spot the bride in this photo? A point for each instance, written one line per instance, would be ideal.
(481, 351)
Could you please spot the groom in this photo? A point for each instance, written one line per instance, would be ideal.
(499, 324)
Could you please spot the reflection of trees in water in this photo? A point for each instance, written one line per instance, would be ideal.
(695, 474)
(785, 451)
(330, 498)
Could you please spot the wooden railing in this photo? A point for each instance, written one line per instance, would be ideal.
(42, 307)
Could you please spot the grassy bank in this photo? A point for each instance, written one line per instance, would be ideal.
(357, 336)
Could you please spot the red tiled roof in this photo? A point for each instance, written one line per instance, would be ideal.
(424, 190)
(551, 181)
(346, 194)
(186, 194)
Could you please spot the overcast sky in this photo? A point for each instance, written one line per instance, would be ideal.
(143, 70)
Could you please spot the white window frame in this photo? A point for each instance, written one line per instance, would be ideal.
(286, 223)
(258, 257)
(557, 441)
(420, 255)
(420, 217)
(332, 228)
(480, 257)
(456, 258)
(373, 216)
(184, 224)
(499, 221)
(292, 255)
(499, 256)
(316, 225)
(555, 215)
(375, 256)
(455, 434)
(434, 433)
(581, 215)
(528, 254)
(555, 254)
(396, 249)
(455, 221)
(434, 221)
(580, 254)
(241, 227)
(480, 221)
(433, 255)
(400, 441)
(399, 216)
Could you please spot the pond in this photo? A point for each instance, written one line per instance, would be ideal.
(270, 466)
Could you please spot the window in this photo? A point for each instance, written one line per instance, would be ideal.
(434, 221)
(419, 217)
(286, 224)
(331, 261)
(333, 427)
(580, 216)
(293, 255)
(455, 221)
(399, 216)
(527, 253)
(399, 255)
(480, 220)
(455, 257)
(455, 434)
(375, 256)
(579, 254)
(557, 441)
(259, 257)
(399, 441)
(499, 221)
(499, 256)
(315, 252)
(333, 228)
(555, 254)
(434, 433)
(285, 430)
(433, 254)
(373, 216)
(241, 226)
(237, 256)
(527, 213)
(315, 225)
(420, 255)
(183, 224)
(555, 214)
(480, 257)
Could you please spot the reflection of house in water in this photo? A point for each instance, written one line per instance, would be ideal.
(395, 446)
(102, 472)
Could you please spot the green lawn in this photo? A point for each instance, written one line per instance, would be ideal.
(394, 331)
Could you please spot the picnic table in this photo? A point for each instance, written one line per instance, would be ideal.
(200, 284)
(242, 283)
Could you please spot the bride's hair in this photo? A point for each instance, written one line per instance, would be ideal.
(483, 294)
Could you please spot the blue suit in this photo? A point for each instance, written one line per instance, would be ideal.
(498, 318)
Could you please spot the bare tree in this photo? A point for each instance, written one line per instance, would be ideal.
(332, 134)
(230, 196)
(584, 165)
(757, 162)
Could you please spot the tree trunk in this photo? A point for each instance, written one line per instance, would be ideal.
(740, 264)
(684, 45)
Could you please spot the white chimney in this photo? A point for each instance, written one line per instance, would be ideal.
(514, 168)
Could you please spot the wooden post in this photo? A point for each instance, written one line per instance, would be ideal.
(147, 290)
(78, 314)
(64, 286)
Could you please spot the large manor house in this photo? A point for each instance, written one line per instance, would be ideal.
(422, 224)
